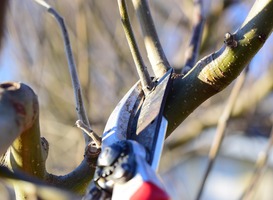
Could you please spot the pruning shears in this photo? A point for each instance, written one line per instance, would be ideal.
(132, 144)
(133, 138)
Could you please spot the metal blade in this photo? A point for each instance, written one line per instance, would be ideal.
(149, 125)
(118, 122)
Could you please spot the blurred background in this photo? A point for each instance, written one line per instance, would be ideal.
(33, 53)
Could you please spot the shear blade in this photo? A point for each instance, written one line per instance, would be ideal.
(150, 125)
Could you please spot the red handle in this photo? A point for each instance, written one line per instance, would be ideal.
(149, 191)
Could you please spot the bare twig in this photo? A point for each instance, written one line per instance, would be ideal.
(191, 53)
(155, 52)
(89, 132)
(81, 111)
(221, 127)
(141, 68)
(260, 168)
(79, 178)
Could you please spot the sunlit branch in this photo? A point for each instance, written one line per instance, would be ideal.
(141, 68)
(81, 111)
(153, 47)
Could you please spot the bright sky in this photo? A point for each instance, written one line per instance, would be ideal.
(7, 66)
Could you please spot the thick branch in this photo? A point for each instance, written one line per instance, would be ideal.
(214, 72)
(20, 119)
(19, 111)
(19, 127)
(26, 152)
(209, 117)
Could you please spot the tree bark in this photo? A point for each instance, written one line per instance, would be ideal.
(216, 71)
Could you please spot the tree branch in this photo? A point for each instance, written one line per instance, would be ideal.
(214, 72)
(73, 72)
(96, 139)
(3, 8)
(261, 165)
(20, 119)
(209, 117)
(141, 68)
(192, 51)
(35, 189)
(19, 112)
(77, 180)
(81, 111)
(153, 47)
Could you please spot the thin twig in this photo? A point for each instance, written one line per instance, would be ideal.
(260, 168)
(192, 51)
(89, 132)
(141, 68)
(153, 47)
(221, 127)
(81, 111)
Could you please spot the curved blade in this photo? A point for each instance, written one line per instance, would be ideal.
(117, 124)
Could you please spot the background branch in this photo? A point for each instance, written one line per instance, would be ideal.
(3, 8)
(191, 53)
(261, 165)
(221, 127)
